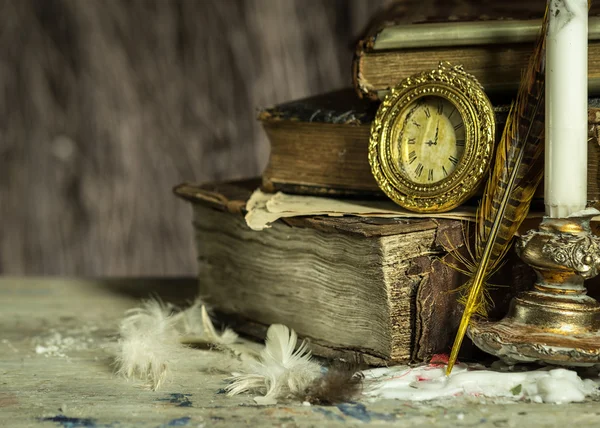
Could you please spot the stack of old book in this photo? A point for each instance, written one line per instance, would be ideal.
(376, 282)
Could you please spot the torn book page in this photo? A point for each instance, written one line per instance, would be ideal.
(266, 208)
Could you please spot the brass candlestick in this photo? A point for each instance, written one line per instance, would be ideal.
(556, 322)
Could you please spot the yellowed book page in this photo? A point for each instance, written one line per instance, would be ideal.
(264, 209)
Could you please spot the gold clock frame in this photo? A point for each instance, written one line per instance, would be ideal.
(467, 95)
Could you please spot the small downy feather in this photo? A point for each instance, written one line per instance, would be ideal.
(341, 383)
(151, 338)
(148, 341)
(226, 337)
(516, 173)
(195, 326)
(280, 371)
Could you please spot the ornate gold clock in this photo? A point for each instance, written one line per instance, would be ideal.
(432, 140)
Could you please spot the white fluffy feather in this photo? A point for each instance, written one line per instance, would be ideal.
(195, 325)
(280, 371)
(227, 337)
(189, 322)
(148, 341)
(151, 337)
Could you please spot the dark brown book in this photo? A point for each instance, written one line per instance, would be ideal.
(372, 287)
(494, 51)
(319, 146)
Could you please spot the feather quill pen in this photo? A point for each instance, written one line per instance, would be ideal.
(517, 171)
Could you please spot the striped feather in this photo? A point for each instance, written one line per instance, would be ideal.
(517, 171)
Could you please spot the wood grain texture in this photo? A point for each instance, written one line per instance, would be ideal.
(108, 104)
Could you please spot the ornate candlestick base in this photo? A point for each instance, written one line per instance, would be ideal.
(556, 322)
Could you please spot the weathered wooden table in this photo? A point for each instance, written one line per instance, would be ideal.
(56, 342)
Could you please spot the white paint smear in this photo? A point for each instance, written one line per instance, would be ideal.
(55, 344)
(430, 383)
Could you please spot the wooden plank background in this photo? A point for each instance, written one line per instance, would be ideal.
(105, 105)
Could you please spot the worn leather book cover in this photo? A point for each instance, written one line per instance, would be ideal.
(319, 146)
(376, 288)
(491, 41)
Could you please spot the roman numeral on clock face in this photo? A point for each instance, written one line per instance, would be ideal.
(453, 160)
(430, 175)
(460, 143)
(427, 112)
(412, 156)
(458, 126)
(419, 170)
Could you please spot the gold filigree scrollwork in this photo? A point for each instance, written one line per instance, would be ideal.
(579, 253)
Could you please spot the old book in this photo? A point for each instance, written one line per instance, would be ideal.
(494, 51)
(319, 146)
(372, 287)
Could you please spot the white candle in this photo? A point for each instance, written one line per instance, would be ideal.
(565, 174)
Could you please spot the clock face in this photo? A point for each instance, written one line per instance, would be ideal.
(432, 140)
(429, 140)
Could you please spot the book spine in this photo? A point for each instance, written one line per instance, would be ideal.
(362, 87)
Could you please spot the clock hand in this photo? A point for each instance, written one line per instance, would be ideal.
(437, 131)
